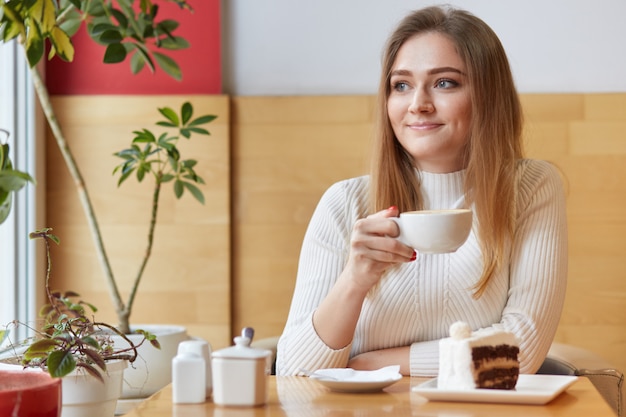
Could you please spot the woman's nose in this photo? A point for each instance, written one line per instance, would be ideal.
(421, 102)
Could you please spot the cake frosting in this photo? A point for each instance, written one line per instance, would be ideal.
(486, 358)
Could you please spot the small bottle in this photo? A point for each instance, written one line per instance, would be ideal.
(188, 378)
(203, 349)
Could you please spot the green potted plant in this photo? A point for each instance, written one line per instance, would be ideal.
(71, 345)
(130, 30)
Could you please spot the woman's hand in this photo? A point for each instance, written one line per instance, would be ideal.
(373, 248)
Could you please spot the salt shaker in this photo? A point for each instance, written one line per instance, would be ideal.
(201, 348)
(188, 378)
(240, 373)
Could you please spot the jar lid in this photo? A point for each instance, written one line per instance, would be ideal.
(241, 350)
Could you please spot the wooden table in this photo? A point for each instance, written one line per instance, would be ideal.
(303, 397)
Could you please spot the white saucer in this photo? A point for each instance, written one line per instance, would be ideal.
(357, 386)
(350, 380)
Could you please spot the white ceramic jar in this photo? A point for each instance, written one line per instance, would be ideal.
(240, 374)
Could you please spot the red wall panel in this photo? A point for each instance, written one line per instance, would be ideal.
(200, 64)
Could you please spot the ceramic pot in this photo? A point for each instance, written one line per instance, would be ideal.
(152, 370)
(28, 393)
(84, 395)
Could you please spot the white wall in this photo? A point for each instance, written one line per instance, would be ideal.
(301, 47)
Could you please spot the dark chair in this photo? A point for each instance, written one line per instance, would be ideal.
(565, 359)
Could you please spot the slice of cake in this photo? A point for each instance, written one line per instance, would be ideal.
(486, 358)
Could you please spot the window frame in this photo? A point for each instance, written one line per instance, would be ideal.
(20, 258)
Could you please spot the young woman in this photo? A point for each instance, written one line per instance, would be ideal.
(449, 135)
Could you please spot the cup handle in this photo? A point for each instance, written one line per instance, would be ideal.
(398, 221)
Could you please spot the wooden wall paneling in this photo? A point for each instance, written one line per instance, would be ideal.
(279, 174)
(286, 152)
(588, 145)
(187, 280)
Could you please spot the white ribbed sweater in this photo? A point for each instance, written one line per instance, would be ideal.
(417, 301)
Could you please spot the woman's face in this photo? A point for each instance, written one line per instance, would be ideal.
(429, 106)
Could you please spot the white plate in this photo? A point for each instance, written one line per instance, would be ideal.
(357, 386)
(350, 380)
(530, 389)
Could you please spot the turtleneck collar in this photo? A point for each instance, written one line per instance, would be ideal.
(442, 191)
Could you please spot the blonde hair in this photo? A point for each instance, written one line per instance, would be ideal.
(494, 143)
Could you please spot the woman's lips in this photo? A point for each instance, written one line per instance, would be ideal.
(424, 125)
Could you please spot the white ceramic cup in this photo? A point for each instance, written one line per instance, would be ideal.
(434, 231)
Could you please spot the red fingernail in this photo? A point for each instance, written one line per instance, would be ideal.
(414, 257)
(392, 208)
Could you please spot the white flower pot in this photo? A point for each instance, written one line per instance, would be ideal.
(83, 395)
(152, 370)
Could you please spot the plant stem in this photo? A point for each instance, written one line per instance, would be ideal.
(146, 257)
(48, 273)
(83, 195)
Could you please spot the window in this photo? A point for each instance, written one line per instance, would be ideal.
(18, 283)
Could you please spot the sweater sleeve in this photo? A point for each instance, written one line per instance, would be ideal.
(537, 271)
(538, 267)
(322, 258)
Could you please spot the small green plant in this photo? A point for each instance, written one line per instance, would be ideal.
(160, 159)
(69, 338)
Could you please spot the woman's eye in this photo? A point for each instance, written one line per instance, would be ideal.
(446, 83)
(400, 86)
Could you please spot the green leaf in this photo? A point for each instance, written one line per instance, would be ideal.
(179, 188)
(185, 132)
(199, 130)
(39, 348)
(34, 44)
(168, 65)
(60, 363)
(138, 61)
(14, 23)
(54, 238)
(120, 17)
(43, 13)
(174, 43)
(6, 203)
(12, 180)
(144, 136)
(202, 120)
(167, 178)
(71, 24)
(124, 177)
(189, 163)
(76, 3)
(4, 156)
(168, 25)
(111, 36)
(142, 171)
(186, 111)
(89, 340)
(62, 44)
(166, 124)
(174, 157)
(170, 115)
(98, 29)
(114, 53)
(195, 191)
